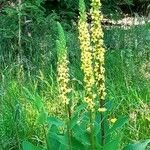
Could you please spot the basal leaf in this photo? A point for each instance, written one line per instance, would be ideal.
(118, 124)
(77, 145)
(42, 118)
(76, 115)
(138, 146)
(79, 109)
(55, 121)
(29, 146)
(62, 139)
(113, 145)
(81, 135)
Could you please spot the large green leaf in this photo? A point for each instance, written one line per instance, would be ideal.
(98, 146)
(63, 147)
(29, 146)
(79, 109)
(53, 143)
(118, 124)
(42, 118)
(138, 146)
(113, 145)
(55, 121)
(62, 139)
(77, 145)
(74, 121)
(77, 115)
(81, 135)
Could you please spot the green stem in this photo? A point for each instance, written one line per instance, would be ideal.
(102, 125)
(68, 110)
(91, 130)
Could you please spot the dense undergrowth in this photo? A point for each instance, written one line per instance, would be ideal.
(30, 84)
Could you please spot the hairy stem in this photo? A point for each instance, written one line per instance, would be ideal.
(102, 125)
(68, 110)
(91, 130)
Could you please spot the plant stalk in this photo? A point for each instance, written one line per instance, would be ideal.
(102, 125)
(69, 134)
(92, 133)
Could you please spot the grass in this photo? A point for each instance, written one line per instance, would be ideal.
(127, 84)
(127, 81)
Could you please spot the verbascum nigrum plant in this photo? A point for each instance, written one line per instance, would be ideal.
(86, 59)
(98, 50)
(86, 56)
(98, 58)
(62, 67)
(63, 78)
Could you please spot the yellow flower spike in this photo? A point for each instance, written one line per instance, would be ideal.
(102, 109)
(86, 56)
(113, 120)
(63, 79)
(62, 68)
(98, 47)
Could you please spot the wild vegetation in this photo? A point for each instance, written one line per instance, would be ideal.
(68, 82)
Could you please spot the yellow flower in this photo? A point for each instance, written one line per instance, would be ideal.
(113, 120)
(63, 80)
(86, 59)
(98, 47)
(102, 109)
(62, 68)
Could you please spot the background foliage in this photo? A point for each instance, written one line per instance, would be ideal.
(23, 82)
(38, 24)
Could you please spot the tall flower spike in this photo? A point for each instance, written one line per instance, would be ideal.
(63, 78)
(62, 68)
(98, 47)
(86, 56)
